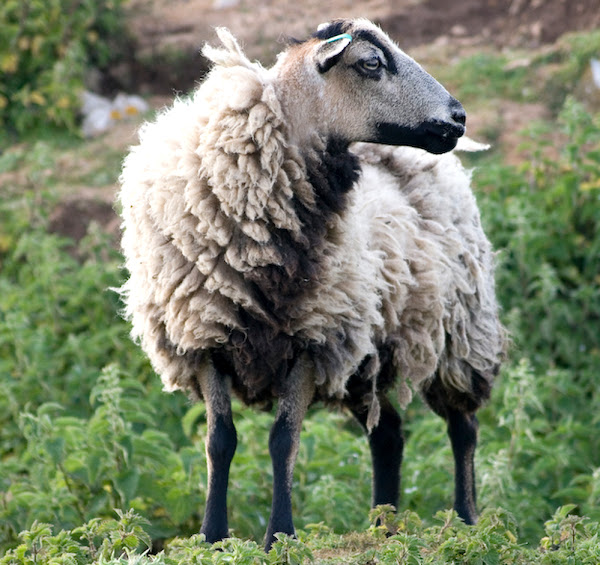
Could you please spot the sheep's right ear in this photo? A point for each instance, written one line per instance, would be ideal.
(330, 51)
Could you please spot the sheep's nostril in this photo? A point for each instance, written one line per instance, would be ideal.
(458, 113)
(460, 117)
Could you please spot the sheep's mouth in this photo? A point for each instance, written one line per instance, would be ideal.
(442, 136)
(435, 136)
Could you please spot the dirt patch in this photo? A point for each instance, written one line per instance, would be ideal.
(502, 23)
(72, 217)
(169, 34)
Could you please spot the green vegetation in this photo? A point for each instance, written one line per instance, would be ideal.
(45, 48)
(402, 538)
(549, 75)
(98, 465)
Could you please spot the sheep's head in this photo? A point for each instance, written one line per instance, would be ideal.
(351, 81)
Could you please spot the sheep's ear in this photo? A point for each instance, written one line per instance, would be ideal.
(330, 51)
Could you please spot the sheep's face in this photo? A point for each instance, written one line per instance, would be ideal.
(365, 88)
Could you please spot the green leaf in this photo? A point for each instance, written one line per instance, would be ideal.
(126, 484)
(56, 449)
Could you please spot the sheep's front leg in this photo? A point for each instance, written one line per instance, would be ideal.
(462, 430)
(284, 441)
(221, 441)
(387, 444)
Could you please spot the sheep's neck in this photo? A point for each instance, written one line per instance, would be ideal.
(332, 171)
(259, 357)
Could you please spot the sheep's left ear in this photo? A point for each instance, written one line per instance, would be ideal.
(330, 50)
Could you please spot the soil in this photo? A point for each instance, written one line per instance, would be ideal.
(502, 23)
(167, 36)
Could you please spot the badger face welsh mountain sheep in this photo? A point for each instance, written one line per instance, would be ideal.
(270, 258)
(359, 86)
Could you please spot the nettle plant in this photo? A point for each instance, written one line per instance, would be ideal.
(545, 217)
(74, 469)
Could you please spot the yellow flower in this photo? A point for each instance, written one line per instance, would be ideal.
(585, 186)
(36, 44)
(63, 102)
(9, 63)
(37, 97)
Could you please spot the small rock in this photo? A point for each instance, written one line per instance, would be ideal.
(100, 113)
(458, 30)
(223, 4)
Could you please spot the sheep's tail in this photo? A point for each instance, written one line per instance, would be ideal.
(230, 55)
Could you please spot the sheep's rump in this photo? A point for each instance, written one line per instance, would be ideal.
(245, 253)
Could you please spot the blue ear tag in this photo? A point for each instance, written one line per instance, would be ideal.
(338, 37)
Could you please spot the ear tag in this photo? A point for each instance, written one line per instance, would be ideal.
(338, 37)
(330, 50)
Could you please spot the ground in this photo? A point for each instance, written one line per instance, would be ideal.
(168, 34)
(183, 26)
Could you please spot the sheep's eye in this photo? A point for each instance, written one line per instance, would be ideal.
(371, 64)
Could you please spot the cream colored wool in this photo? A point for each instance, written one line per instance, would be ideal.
(406, 263)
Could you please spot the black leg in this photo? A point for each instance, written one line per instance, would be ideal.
(284, 442)
(462, 429)
(458, 409)
(387, 444)
(221, 441)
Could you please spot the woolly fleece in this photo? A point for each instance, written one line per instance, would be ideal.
(404, 264)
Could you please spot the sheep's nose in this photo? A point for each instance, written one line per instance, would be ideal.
(457, 112)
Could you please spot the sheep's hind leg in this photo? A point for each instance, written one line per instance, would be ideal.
(284, 442)
(462, 429)
(458, 410)
(221, 441)
(386, 443)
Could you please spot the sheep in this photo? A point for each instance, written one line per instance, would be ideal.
(304, 233)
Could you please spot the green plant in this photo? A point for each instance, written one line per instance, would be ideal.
(45, 48)
(493, 541)
(483, 75)
(74, 469)
(94, 542)
(545, 218)
(570, 60)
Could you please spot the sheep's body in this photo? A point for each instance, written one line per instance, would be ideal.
(259, 260)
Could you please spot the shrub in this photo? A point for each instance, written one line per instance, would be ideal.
(45, 48)
(545, 218)
(402, 539)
